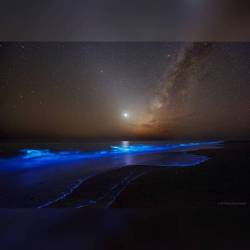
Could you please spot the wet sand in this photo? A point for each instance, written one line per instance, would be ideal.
(182, 179)
(45, 179)
(223, 180)
(202, 207)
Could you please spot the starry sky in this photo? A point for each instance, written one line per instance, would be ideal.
(82, 90)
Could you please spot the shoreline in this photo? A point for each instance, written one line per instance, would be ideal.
(215, 183)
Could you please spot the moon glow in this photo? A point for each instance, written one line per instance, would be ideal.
(125, 115)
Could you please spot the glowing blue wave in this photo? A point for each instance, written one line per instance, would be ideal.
(31, 153)
(155, 148)
(36, 157)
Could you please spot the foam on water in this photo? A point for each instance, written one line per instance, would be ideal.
(37, 157)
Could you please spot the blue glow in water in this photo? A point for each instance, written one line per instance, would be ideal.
(31, 153)
(36, 157)
(157, 148)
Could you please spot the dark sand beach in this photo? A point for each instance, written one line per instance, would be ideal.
(199, 207)
(200, 176)
(42, 178)
(223, 180)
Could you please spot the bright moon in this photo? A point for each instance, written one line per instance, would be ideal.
(125, 115)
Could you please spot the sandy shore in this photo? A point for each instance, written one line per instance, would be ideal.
(203, 207)
(223, 180)
(189, 178)
(102, 190)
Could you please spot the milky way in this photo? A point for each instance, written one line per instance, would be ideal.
(206, 88)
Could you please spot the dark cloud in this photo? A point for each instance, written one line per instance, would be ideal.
(130, 20)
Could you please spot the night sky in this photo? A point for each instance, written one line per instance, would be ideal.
(124, 20)
(124, 90)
